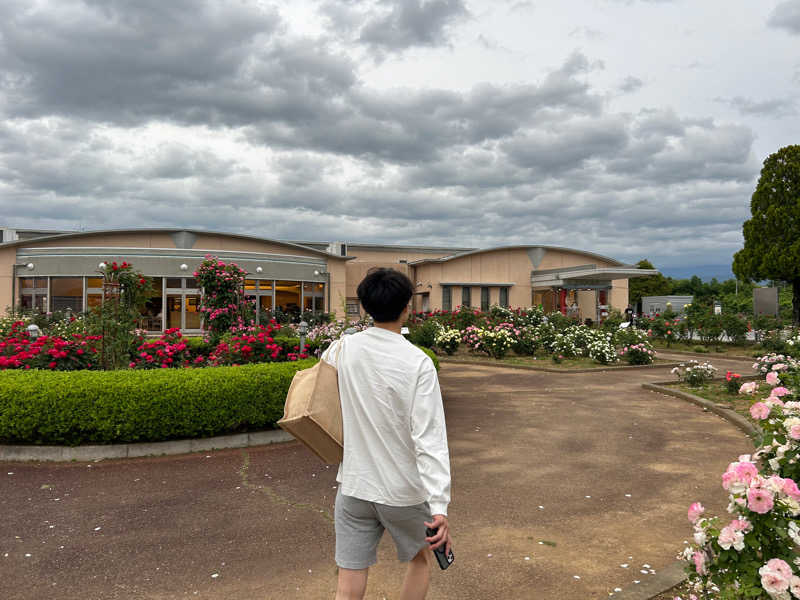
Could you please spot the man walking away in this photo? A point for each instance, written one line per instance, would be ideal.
(395, 474)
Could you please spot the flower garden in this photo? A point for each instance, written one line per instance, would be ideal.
(754, 551)
(528, 336)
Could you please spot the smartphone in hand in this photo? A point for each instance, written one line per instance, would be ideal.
(445, 560)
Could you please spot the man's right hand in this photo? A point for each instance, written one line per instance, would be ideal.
(442, 535)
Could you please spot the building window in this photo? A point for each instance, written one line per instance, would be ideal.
(447, 298)
(287, 297)
(66, 293)
(183, 303)
(466, 296)
(484, 299)
(504, 297)
(33, 293)
(313, 297)
(353, 307)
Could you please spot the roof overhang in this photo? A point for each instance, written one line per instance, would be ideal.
(586, 277)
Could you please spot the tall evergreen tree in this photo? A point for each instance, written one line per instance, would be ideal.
(772, 235)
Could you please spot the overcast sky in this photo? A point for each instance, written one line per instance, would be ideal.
(631, 128)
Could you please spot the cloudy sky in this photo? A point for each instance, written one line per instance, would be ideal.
(631, 128)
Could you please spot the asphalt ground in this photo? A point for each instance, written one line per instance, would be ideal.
(564, 487)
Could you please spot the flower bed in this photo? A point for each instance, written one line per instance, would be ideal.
(754, 553)
(42, 407)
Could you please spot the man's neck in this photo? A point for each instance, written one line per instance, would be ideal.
(393, 326)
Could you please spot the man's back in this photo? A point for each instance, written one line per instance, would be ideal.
(395, 442)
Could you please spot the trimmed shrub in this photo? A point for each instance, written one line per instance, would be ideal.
(425, 334)
(77, 407)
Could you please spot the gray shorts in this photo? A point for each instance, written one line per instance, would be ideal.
(360, 524)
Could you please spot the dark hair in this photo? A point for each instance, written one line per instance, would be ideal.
(384, 293)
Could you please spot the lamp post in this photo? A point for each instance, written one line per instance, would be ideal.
(302, 329)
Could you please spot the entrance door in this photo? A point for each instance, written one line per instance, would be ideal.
(426, 302)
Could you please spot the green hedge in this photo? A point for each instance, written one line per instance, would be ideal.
(79, 407)
(433, 356)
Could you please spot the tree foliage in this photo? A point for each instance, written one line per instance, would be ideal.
(772, 234)
(652, 285)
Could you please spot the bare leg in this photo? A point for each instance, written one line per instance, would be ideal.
(352, 584)
(418, 576)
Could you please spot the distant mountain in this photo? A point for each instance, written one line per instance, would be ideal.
(704, 272)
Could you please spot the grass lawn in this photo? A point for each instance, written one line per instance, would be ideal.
(720, 349)
(716, 392)
(541, 360)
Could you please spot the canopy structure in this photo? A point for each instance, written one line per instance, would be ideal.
(585, 277)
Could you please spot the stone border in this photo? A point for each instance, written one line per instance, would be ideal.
(600, 368)
(706, 355)
(663, 581)
(104, 451)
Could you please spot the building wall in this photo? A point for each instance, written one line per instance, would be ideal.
(8, 256)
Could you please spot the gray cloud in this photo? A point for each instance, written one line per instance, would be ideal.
(117, 114)
(630, 84)
(777, 107)
(409, 23)
(786, 16)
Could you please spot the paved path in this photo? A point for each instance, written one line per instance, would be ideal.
(590, 464)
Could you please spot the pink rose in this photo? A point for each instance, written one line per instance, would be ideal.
(790, 489)
(772, 378)
(748, 388)
(759, 411)
(700, 562)
(745, 472)
(779, 392)
(759, 500)
(695, 510)
(794, 432)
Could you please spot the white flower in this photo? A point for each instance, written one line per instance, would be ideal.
(700, 538)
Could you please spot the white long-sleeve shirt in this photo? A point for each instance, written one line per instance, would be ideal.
(395, 440)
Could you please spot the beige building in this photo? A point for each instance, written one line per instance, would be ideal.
(52, 271)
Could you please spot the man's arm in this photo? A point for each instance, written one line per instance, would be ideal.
(429, 434)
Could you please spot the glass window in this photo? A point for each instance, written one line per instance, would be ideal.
(484, 299)
(466, 296)
(504, 297)
(287, 297)
(26, 301)
(308, 297)
(174, 282)
(66, 293)
(93, 300)
(265, 285)
(94, 282)
(173, 311)
(249, 284)
(353, 307)
(26, 283)
(447, 298)
(193, 315)
(265, 308)
(153, 310)
(191, 283)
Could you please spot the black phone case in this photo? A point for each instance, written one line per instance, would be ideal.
(444, 560)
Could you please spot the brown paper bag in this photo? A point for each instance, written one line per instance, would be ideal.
(313, 411)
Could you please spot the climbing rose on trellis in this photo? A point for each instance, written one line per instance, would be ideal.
(224, 304)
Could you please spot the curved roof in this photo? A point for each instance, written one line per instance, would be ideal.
(613, 261)
(77, 234)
